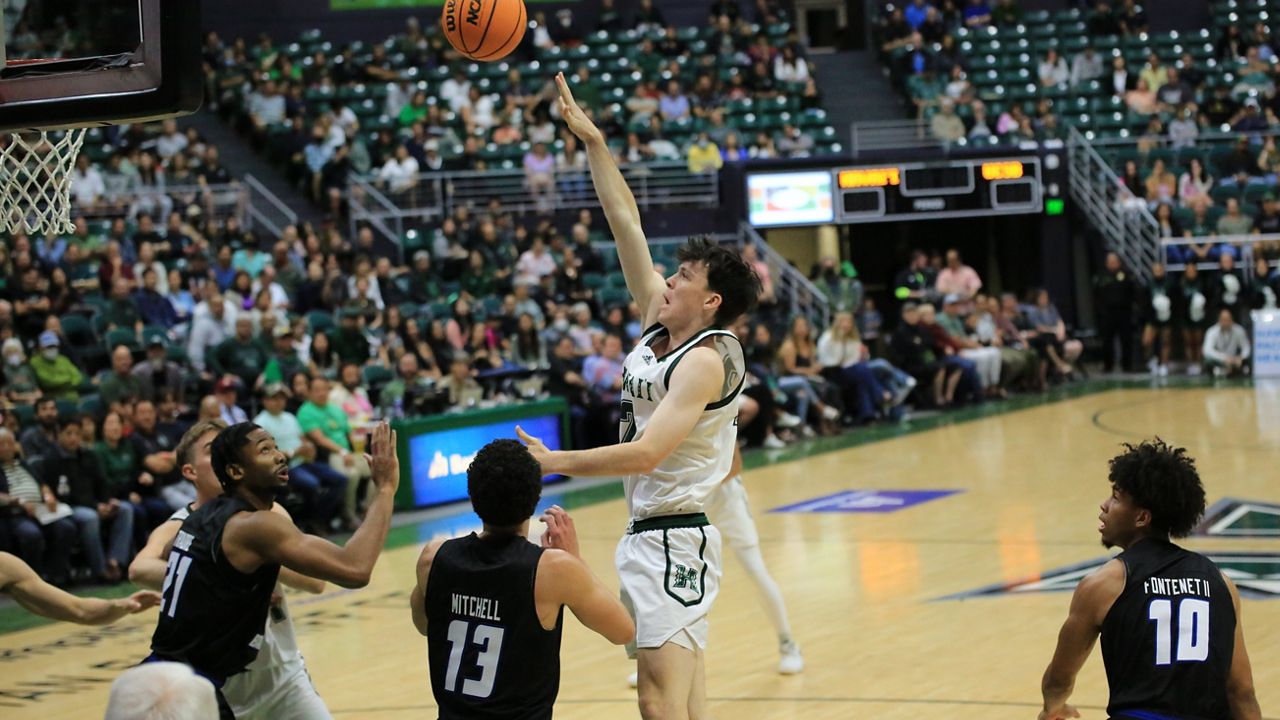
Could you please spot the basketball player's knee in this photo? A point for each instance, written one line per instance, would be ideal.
(654, 706)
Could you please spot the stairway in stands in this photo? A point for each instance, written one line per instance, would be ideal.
(239, 158)
(856, 89)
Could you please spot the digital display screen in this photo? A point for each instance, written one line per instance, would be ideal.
(1011, 170)
(789, 198)
(438, 460)
(867, 177)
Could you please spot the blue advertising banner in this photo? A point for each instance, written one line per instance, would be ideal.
(438, 460)
(866, 501)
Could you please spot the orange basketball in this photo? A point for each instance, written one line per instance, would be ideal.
(485, 30)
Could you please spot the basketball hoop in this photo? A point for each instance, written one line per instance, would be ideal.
(35, 178)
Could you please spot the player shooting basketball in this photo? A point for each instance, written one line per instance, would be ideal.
(678, 432)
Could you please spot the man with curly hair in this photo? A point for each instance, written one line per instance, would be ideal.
(1172, 640)
(491, 605)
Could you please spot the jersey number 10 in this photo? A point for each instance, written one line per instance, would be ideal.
(490, 640)
(1192, 630)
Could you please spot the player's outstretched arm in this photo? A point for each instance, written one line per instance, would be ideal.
(252, 539)
(41, 598)
(564, 579)
(697, 381)
(643, 282)
(571, 583)
(295, 580)
(149, 566)
(1093, 597)
(1240, 694)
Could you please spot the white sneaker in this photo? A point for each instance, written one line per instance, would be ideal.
(807, 432)
(1163, 371)
(904, 392)
(773, 442)
(786, 420)
(791, 662)
(1193, 369)
(633, 680)
(1154, 366)
(830, 413)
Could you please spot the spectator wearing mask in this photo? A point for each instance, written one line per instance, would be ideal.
(74, 475)
(57, 376)
(20, 386)
(1226, 347)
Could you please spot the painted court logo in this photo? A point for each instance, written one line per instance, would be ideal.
(865, 501)
(1256, 575)
(1231, 517)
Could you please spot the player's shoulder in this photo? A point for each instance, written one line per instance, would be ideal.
(1104, 584)
(559, 573)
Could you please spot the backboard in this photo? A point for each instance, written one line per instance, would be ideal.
(81, 63)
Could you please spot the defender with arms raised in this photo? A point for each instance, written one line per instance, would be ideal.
(678, 431)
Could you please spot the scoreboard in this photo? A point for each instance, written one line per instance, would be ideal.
(954, 188)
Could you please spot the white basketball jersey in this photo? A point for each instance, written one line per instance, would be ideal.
(683, 480)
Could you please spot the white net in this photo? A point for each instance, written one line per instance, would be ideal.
(35, 181)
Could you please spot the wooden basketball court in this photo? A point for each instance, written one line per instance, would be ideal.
(872, 596)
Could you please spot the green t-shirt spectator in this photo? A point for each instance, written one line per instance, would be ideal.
(329, 419)
(121, 313)
(410, 115)
(953, 325)
(114, 387)
(119, 466)
(59, 377)
(245, 360)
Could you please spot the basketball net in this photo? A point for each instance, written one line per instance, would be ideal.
(35, 181)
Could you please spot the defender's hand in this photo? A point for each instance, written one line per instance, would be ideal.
(560, 532)
(537, 449)
(384, 465)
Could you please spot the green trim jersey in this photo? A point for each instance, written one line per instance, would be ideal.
(684, 479)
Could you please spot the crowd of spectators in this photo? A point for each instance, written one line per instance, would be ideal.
(737, 88)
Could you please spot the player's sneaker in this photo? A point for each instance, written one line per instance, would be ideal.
(786, 420)
(633, 680)
(791, 662)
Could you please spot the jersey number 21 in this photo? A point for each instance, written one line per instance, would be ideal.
(174, 577)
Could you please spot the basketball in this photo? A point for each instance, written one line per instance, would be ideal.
(485, 30)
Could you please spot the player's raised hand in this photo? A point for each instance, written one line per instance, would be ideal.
(560, 531)
(536, 449)
(139, 601)
(577, 120)
(384, 465)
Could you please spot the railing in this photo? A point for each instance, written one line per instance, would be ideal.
(1245, 243)
(891, 135)
(265, 210)
(792, 289)
(1125, 222)
(248, 201)
(434, 195)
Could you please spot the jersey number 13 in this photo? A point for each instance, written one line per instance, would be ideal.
(489, 638)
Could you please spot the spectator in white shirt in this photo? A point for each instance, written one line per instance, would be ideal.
(455, 90)
(534, 264)
(1226, 346)
(478, 112)
(400, 173)
(266, 106)
(171, 142)
(788, 68)
(1086, 66)
(87, 187)
(1053, 70)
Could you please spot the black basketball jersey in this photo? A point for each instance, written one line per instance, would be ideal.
(1168, 639)
(489, 655)
(212, 616)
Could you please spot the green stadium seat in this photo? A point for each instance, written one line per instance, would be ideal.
(319, 321)
(122, 336)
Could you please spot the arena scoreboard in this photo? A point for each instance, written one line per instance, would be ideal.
(954, 188)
